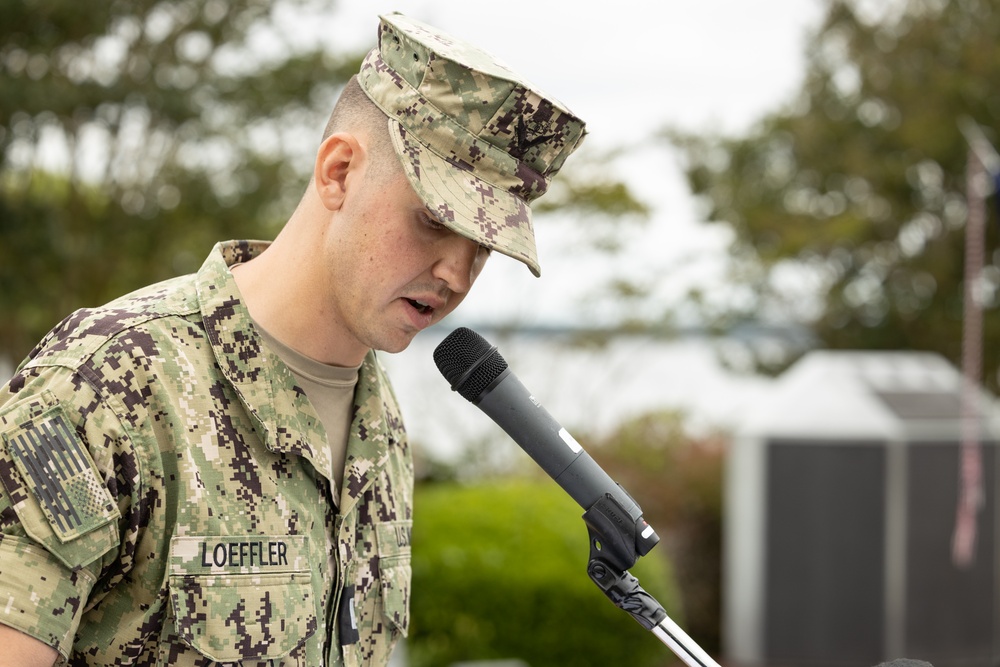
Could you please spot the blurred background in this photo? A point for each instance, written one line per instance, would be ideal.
(753, 309)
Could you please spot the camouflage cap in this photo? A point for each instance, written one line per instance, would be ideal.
(477, 142)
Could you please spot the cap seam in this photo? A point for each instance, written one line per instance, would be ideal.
(509, 76)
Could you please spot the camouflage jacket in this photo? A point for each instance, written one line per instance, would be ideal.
(165, 495)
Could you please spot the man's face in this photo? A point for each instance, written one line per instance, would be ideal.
(394, 270)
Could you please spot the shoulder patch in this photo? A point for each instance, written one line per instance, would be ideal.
(59, 472)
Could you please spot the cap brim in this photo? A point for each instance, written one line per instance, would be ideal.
(466, 204)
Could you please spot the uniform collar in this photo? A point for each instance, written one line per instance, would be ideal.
(267, 388)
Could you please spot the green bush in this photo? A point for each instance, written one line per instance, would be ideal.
(499, 572)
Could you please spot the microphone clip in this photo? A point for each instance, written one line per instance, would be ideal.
(617, 540)
(616, 534)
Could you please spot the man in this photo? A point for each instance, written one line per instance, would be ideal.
(213, 469)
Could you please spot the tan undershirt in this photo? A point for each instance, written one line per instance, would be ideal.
(330, 390)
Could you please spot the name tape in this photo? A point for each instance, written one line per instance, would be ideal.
(244, 554)
(194, 554)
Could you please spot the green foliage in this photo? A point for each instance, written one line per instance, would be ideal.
(134, 135)
(499, 572)
(849, 206)
(677, 480)
(577, 192)
(588, 190)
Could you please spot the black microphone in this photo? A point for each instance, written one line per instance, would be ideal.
(479, 374)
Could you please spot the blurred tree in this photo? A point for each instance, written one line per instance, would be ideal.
(134, 134)
(848, 207)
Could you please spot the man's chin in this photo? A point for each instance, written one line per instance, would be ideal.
(396, 344)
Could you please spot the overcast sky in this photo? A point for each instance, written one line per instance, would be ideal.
(627, 68)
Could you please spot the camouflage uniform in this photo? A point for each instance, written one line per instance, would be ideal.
(165, 495)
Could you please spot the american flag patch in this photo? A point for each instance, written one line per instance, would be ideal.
(59, 471)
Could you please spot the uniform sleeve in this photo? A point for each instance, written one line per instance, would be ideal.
(57, 518)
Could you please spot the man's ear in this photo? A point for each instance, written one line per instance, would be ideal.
(337, 165)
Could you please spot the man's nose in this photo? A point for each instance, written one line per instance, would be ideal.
(459, 263)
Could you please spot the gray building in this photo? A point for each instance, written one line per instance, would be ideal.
(841, 496)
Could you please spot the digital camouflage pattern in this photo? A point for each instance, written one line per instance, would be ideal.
(165, 493)
(477, 141)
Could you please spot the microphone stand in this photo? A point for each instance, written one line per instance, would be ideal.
(613, 540)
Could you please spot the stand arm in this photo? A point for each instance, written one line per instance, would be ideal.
(624, 590)
(616, 542)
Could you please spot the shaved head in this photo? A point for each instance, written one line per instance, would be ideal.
(356, 114)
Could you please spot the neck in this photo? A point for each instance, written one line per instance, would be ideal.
(282, 288)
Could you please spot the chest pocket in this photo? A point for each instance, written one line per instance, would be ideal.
(379, 602)
(238, 598)
(395, 571)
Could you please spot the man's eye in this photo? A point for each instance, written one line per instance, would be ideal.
(431, 223)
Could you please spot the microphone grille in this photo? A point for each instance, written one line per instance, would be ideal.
(468, 362)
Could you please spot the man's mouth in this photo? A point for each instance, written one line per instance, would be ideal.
(420, 307)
